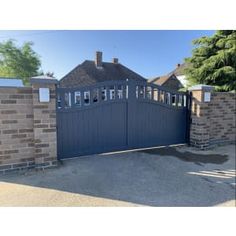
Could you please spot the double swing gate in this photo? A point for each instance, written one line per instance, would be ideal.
(119, 115)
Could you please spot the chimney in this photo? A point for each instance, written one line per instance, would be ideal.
(115, 60)
(178, 65)
(98, 59)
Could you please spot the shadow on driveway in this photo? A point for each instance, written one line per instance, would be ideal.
(196, 158)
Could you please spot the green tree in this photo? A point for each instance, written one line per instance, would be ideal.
(213, 61)
(21, 62)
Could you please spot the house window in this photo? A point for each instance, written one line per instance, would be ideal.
(77, 98)
(95, 95)
(120, 92)
(112, 92)
(68, 99)
(149, 92)
(104, 94)
(86, 97)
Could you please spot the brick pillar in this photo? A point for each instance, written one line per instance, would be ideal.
(44, 113)
(200, 126)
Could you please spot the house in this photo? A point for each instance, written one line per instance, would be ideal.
(168, 81)
(180, 73)
(92, 72)
(10, 82)
(174, 80)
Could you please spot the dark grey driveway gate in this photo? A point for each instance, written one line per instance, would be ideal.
(119, 115)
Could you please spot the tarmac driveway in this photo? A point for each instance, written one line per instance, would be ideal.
(158, 177)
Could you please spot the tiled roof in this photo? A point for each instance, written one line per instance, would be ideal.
(180, 69)
(161, 79)
(87, 74)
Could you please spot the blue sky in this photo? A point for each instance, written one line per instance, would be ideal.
(149, 53)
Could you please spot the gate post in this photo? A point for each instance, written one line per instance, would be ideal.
(44, 113)
(200, 126)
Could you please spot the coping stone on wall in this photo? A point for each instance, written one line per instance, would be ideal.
(201, 87)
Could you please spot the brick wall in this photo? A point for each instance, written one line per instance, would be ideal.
(222, 118)
(212, 122)
(16, 127)
(27, 128)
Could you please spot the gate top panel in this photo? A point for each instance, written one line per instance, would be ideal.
(90, 96)
(118, 91)
(153, 93)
